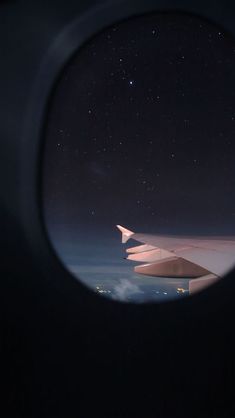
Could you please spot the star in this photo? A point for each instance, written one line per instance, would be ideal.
(131, 82)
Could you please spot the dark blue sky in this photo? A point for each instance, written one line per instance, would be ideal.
(141, 133)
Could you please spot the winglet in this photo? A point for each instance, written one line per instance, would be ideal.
(126, 233)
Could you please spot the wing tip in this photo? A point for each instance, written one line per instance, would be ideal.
(126, 233)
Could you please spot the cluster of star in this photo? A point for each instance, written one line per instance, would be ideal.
(139, 106)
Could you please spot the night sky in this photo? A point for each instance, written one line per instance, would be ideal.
(140, 133)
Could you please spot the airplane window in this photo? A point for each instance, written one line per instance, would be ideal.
(139, 159)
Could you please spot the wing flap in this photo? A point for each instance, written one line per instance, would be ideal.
(140, 248)
(171, 267)
(201, 283)
(150, 256)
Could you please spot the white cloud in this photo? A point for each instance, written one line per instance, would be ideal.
(124, 289)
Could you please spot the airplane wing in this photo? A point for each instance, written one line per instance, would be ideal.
(204, 259)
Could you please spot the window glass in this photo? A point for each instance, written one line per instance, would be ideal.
(140, 134)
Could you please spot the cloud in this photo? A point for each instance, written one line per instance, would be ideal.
(124, 289)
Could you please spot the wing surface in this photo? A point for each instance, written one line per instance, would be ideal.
(186, 256)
